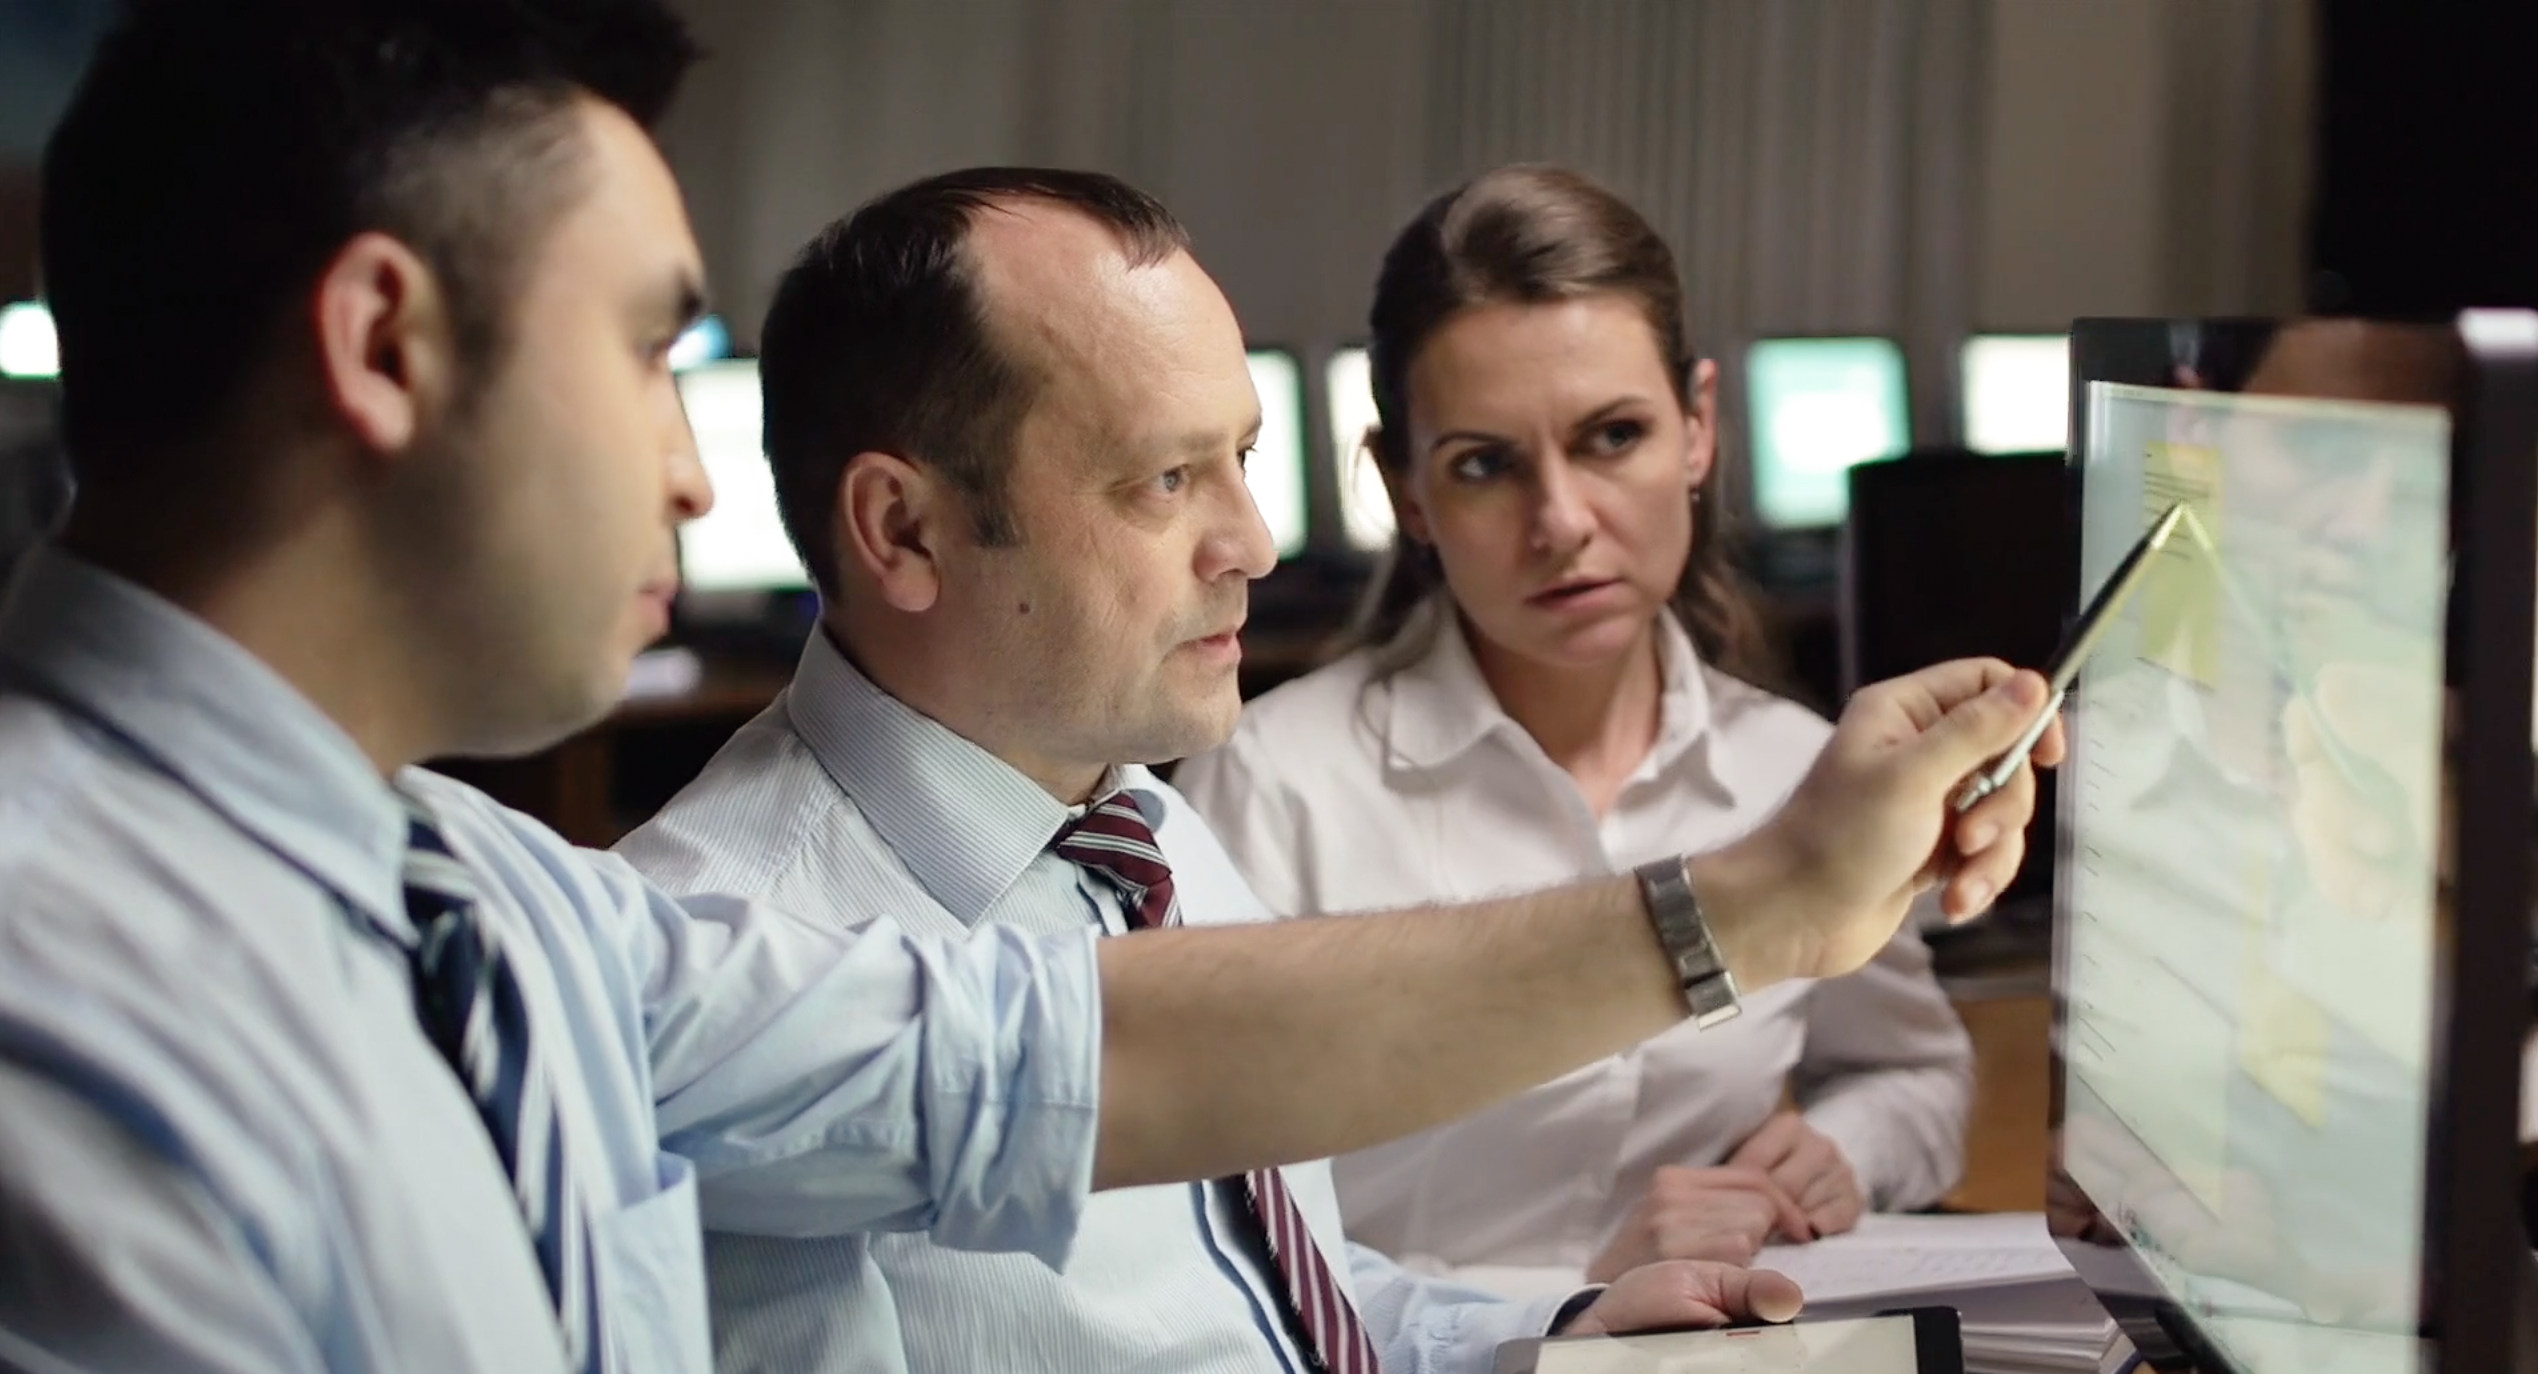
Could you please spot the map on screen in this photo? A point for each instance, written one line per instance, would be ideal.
(2254, 803)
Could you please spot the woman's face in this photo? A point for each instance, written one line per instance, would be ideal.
(1549, 464)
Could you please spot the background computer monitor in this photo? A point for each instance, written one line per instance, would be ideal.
(1349, 392)
(1276, 469)
(2015, 392)
(1815, 409)
(35, 482)
(706, 341)
(28, 350)
(2292, 900)
(740, 545)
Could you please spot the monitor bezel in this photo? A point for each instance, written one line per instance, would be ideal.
(2475, 1251)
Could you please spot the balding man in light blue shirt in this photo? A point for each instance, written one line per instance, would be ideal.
(1026, 596)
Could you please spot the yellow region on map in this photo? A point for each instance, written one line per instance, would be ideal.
(2181, 597)
(2282, 1044)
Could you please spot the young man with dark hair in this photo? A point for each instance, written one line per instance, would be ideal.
(1006, 412)
(312, 1060)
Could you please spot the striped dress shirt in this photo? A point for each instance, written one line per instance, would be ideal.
(839, 788)
(226, 1145)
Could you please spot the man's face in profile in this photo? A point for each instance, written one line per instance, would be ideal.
(1110, 630)
(561, 475)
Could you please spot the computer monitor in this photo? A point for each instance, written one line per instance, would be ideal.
(2015, 392)
(1365, 510)
(35, 484)
(28, 349)
(2292, 904)
(1276, 468)
(740, 546)
(1953, 554)
(1816, 408)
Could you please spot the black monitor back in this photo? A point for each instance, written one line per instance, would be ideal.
(34, 473)
(1951, 554)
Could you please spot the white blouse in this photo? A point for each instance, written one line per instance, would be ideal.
(1349, 791)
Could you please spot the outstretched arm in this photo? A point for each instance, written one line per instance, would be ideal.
(1228, 1049)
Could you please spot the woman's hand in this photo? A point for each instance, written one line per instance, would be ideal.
(1809, 1167)
(1723, 1214)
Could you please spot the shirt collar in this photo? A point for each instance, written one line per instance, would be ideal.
(199, 706)
(1441, 707)
(921, 785)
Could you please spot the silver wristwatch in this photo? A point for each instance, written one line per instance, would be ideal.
(1709, 990)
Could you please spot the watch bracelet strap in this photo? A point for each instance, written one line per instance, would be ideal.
(1674, 909)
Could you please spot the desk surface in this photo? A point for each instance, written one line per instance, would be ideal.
(2007, 1143)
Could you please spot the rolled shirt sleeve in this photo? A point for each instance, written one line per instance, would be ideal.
(828, 1080)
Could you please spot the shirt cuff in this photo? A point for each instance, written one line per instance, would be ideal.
(1572, 1308)
(1011, 1140)
(1853, 1126)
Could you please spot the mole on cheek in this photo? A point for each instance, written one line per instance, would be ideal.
(1022, 608)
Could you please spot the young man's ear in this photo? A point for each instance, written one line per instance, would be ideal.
(386, 346)
(891, 517)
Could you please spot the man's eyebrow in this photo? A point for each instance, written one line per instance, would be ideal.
(1197, 443)
(682, 302)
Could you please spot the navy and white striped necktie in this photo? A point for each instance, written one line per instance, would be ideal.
(471, 1010)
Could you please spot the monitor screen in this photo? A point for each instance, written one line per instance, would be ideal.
(1365, 511)
(1276, 467)
(2253, 830)
(739, 546)
(2016, 392)
(28, 350)
(1818, 407)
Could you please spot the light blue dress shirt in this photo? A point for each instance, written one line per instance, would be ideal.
(226, 1145)
(840, 787)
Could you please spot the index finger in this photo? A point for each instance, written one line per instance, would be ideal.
(1770, 1143)
(1929, 694)
(1791, 1219)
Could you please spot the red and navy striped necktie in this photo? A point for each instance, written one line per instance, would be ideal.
(1113, 840)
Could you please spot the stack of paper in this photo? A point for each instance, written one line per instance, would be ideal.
(2019, 1305)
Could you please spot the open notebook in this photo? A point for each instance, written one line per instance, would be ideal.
(2020, 1308)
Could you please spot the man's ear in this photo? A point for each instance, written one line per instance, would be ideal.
(892, 519)
(385, 342)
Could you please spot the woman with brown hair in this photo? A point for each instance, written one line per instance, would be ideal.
(1555, 676)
